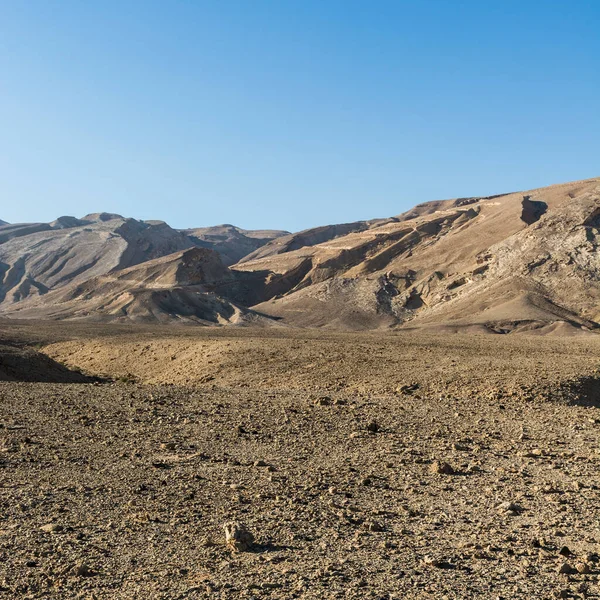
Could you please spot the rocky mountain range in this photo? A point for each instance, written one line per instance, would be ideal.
(524, 261)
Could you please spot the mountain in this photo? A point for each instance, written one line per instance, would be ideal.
(191, 286)
(3, 222)
(231, 242)
(288, 242)
(38, 257)
(521, 261)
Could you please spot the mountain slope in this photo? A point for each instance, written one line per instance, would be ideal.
(191, 286)
(310, 237)
(231, 242)
(524, 261)
(457, 261)
(35, 258)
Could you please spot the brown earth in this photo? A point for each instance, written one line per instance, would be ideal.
(404, 465)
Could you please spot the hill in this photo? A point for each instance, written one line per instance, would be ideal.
(231, 242)
(522, 261)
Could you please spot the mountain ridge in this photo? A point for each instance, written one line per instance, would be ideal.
(508, 262)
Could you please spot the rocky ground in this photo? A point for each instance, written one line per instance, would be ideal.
(353, 466)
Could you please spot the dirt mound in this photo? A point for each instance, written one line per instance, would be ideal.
(25, 364)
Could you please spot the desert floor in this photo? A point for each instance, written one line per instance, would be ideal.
(381, 465)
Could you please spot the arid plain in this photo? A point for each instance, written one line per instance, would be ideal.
(365, 465)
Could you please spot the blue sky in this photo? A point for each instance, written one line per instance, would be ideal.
(289, 114)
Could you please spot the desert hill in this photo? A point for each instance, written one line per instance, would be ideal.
(520, 258)
(37, 258)
(509, 262)
(191, 286)
(231, 242)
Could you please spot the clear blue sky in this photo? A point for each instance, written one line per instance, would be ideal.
(289, 114)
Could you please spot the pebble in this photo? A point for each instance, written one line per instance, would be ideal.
(567, 569)
(82, 570)
(564, 551)
(237, 537)
(51, 528)
(441, 468)
(583, 568)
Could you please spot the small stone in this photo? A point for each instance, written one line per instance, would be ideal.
(431, 562)
(237, 537)
(567, 569)
(323, 401)
(373, 526)
(170, 446)
(441, 468)
(82, 570)
(407, 388)
(366, 481)
(509, 507)
(260, 463)
(373, 427)
(51, 528)
(564, 551)
(583, 568)
(563, 593)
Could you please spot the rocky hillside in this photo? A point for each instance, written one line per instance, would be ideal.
(231, 242)
(36, 258)
(39, 258)
(192, 286)
(524, 259)
(511, 262)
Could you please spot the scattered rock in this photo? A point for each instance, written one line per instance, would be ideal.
(52, 528)
(323, 401)
(510, 508)
(82, 570)
(583, 568)
(374, 526)
(373, 427)
(441, 468)
(237, 537)
(407, 388)
(567, 569)
(564, 551)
